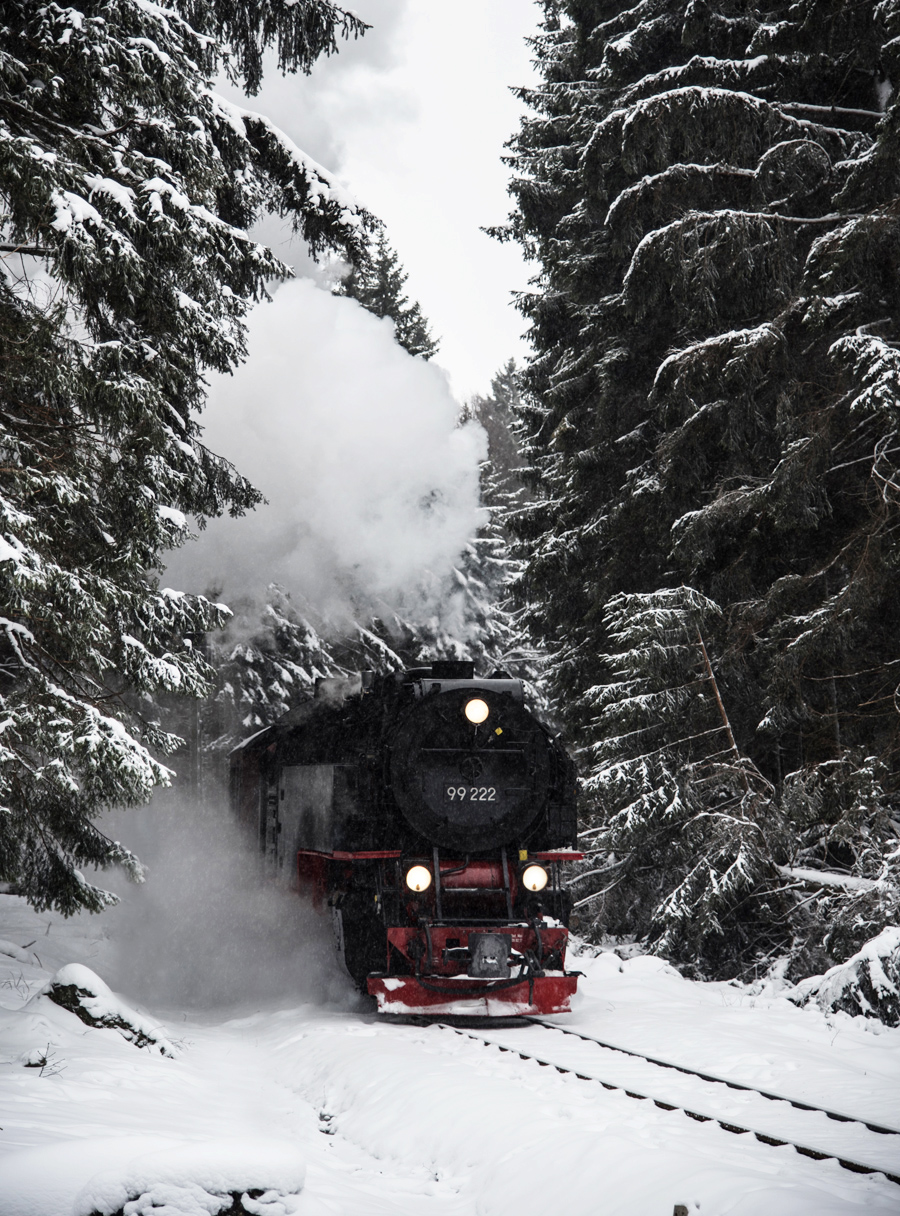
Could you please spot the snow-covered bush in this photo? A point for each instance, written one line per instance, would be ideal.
(246, 1177)
(867, 984)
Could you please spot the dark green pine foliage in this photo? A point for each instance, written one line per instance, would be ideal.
(126, 191)
(498, 413)
(377, 282)
(711, 193)
(689, 851)
(268, 660)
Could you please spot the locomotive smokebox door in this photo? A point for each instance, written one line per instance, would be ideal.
(470, 771)
(490, 956)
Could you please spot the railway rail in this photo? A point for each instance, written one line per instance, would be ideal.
(693, 1109)
(838, 1116)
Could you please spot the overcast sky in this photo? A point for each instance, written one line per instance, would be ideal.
(413, 118)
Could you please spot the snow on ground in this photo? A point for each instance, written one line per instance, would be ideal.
(851, 1065)
(330, 1112)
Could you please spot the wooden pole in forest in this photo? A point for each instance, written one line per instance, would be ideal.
(725, 719)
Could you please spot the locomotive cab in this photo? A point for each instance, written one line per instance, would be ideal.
(432, 812)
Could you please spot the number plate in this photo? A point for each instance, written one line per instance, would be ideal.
(470, 793)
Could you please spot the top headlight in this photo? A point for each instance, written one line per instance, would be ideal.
(476, 710)
(535, 878)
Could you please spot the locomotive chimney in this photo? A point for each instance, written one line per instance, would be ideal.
(453, 669)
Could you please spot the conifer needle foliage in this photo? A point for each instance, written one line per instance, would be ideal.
(711, 190)
(377, 282)
(126, 190)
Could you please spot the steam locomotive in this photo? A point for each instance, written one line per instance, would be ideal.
(432, 812)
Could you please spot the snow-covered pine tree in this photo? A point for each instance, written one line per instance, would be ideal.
(687, 850)
(472, 617)
(126, 190)
(490, 565)
(267, 660)
(710, 189)
(498, 413)
(376, 282)
(845, 869)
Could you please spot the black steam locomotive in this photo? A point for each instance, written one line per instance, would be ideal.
(432, 812)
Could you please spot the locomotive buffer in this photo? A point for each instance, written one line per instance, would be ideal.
(432, 812)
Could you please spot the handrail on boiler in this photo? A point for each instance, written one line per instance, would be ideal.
(437, 884)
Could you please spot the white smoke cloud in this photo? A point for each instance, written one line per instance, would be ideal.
(371, 485)
(208, 929)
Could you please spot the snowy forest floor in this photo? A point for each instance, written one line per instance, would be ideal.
(279, 1066)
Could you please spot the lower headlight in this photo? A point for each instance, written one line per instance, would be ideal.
(418, 878)
(535, 878)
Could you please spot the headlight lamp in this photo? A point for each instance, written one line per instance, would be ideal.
(476, 710)
(418, 878)
(535, 878)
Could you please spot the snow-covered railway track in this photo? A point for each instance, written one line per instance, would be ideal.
(860, 1146)
(837, 1116)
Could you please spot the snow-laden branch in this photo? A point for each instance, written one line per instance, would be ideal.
(822, 878)
(323, 186)
(33, 251)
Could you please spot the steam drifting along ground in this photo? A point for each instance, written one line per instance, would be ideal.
(371, 486)
(205, 931)
(415, 1120)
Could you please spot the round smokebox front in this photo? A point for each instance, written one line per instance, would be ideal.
(469, 768)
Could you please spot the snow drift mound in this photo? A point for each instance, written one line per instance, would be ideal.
(223, 1178)
(867, 984)
(11, 950)
(82, 992)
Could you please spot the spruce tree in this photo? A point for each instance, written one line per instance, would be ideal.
(692, 835)
(377, 282)
(498, 413)
(491, 562)
(126, 190)
(710, 190)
